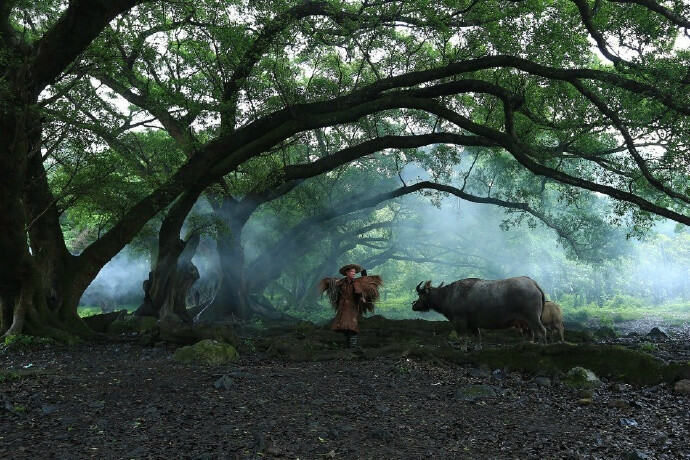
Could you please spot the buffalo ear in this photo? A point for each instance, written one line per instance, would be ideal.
(427, 287)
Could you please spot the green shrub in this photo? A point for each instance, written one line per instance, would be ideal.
(648, 346)
(21, 341)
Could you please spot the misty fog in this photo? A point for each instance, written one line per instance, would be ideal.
(442, 239)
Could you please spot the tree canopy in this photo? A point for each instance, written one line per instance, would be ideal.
(117, 113)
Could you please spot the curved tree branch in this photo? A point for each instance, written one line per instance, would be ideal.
(78, 26)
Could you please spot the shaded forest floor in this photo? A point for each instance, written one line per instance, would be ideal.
(407, 392)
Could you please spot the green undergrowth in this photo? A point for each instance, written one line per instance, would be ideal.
(621, 309)
(18, 374)
(22, 341)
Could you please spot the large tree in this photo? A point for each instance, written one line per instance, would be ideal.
(232, 82)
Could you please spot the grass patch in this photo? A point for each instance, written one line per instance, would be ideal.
(21, 342)
(91, 310)
(621, 309)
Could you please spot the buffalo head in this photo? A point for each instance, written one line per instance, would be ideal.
(422, 304)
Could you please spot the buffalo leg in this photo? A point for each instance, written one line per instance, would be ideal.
(536, 327)
(461, 329)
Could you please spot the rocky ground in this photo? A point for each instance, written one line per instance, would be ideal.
(127, 398)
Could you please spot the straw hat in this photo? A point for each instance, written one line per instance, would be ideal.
(343, 270)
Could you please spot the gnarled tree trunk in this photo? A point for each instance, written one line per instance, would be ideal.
(39, 287)
(173, 274)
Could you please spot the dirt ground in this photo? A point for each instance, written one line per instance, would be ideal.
(126, 398)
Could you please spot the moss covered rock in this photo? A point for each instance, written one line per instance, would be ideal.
(207, 352)
(579, 377)
(476, 392)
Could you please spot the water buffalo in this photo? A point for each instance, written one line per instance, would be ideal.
(472, 303)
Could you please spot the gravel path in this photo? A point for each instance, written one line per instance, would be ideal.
(125, 400)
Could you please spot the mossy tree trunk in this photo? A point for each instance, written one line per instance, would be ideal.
(39, 284)
(232, 298)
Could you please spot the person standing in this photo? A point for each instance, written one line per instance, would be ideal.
(351, 297)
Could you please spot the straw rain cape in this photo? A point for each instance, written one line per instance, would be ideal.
(366, 289)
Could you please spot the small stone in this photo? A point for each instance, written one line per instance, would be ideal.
(48, 409)
(224, 382)
(97, 405)
(585, 401)
(542, 381)
(275, 451)
(67, 421)
(619, 403)
(498, 374)
(682, 387)
(479, 373)
(627, 422)
(381, 434)
(619, 387)
(136, 452)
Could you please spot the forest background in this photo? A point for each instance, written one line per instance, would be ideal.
(207, 161)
